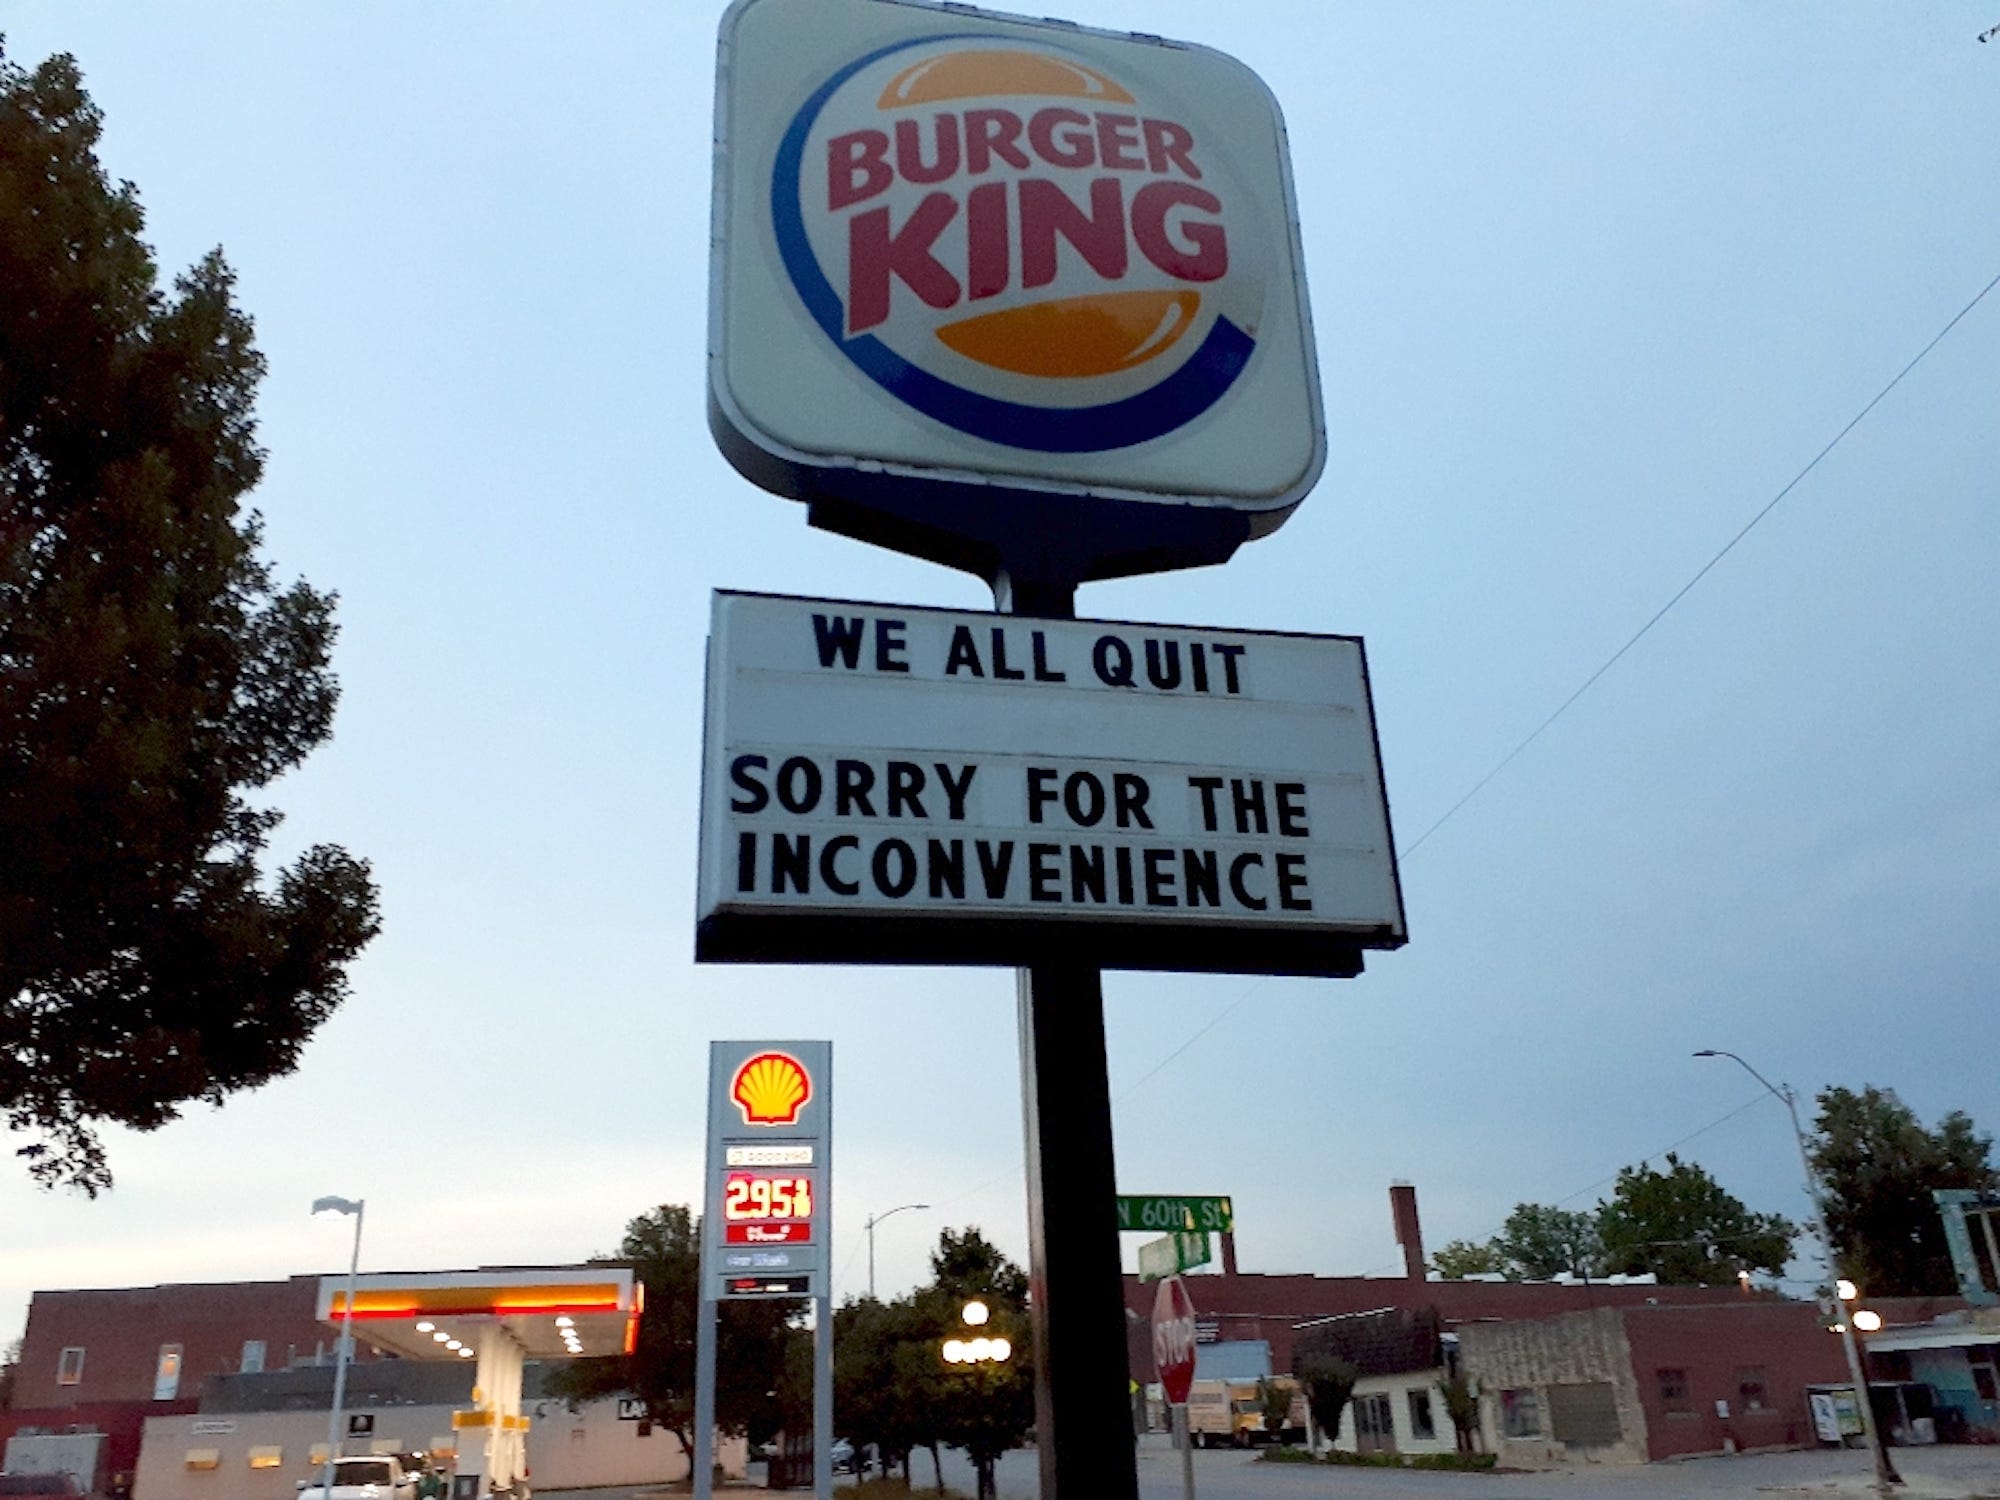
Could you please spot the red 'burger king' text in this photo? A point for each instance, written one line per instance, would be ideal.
(1171, 221)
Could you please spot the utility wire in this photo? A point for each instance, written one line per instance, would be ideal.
(1702, 572)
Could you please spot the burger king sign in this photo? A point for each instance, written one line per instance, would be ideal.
(980, 281)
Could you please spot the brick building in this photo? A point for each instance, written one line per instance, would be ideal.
(1236, 1305)
(106, 1359)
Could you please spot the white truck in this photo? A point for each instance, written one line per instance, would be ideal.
(375, 1477)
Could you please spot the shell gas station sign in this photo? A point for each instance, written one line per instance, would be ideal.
(764, 1216)
(966, 262)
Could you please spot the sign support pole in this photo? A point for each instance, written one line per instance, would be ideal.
(1184, 1440)
(1073, 1274)
(704, 1386)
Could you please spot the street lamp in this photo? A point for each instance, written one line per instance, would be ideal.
(873, 1220)
(331, 1205)
(1885, 1471)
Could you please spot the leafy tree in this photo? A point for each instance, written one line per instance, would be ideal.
(1461, 1403)
(1880, 1165)
(152, 675)
(663, 1248)
(1466, 1258)
(892, 1386)
(1686, 1229)
(1276, 1402)
(1329, 1386)
(987, 1407)
(1541, 1241)
(10, 1367)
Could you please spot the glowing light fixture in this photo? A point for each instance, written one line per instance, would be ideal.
(1868, 1320)
(426, 1328)
(976, 1313)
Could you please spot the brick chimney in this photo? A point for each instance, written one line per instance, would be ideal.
(1409, 1234)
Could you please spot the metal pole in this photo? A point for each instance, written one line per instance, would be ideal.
(1885, 1470)
(823, 1395)
(341, 1357)
(871, 1257)
(1185, 1442)
(704, 1388)
(1073, 1274)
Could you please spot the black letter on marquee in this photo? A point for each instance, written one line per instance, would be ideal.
(906, 781)
(955, 791)
(890, 646)
(839, 637)
(830, 873)
(1208, 786)
(1199, 872)
(947, 863)
(1043, 671)
(1044, 872)
(1236, 885)
(746, 861)
(963, 653)
(1292, 883)
(1229, 655)
(897, 885)
(1040, 794)
(1113, 660)
(853, 780)
(739, 772)
(791, 860)
(1291, 797)
(796, 802)
(995, 860)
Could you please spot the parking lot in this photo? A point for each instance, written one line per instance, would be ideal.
(1953, 1473)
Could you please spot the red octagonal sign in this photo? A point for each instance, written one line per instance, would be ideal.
(1173, 1339)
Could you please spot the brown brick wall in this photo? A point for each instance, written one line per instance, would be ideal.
(121, 1330)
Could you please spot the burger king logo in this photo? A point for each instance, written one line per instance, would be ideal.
(1012, 241)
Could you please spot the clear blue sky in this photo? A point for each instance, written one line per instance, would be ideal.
(1591, 284)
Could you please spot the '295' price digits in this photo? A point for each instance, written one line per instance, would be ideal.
(763, 1195)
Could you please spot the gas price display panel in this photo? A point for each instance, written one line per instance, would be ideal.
(769, 1207)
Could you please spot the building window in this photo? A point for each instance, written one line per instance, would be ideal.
(1674, 1391)
(1521, 1413)
(1982, 1382)
(1421, 1424)
(253, 1357)
(69, 1367)
(1750, 1388)
(167, 1373)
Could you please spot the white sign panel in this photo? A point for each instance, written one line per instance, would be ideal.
(886, 784)
(963, 248)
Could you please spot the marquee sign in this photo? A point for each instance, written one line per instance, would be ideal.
(967, 261)
(764, 1215)
(885, 784)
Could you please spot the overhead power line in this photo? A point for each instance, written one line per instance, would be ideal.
(1700, 573)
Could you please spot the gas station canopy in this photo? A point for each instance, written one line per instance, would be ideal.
(552, 1312)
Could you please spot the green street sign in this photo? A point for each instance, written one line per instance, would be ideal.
(1180, 1251)
(1163, 1213)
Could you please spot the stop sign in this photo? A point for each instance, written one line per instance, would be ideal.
(1173, 1339)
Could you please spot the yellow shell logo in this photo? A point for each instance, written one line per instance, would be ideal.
(771, 1089)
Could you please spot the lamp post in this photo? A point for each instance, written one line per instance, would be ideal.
(331, 1205)
(1885, 1470)
(873, 1220)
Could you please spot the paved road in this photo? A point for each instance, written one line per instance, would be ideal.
(1224, 1475)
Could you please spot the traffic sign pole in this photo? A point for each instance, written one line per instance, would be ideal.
(1186, 1441)
(1076, 1288)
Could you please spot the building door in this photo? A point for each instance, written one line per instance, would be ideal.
(1375, 1423)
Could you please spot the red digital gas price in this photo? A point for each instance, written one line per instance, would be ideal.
(767, 1208)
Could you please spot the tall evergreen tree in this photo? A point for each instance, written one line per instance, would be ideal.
(152, 675)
